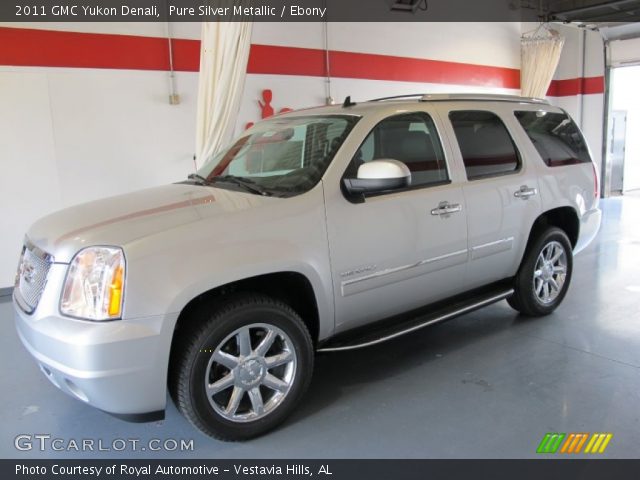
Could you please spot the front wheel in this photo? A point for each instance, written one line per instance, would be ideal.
(243, 371)
(544, 276)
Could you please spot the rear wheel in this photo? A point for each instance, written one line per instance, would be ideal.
(544, 276)
(244, 370)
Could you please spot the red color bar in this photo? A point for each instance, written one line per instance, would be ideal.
(276, 60)
(49, 48)
(404, 69)
(576, 86)
(268, 59)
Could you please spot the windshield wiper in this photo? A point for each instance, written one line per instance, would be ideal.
(198, 178)
(248, 185)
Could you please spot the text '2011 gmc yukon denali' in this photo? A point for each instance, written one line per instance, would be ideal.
(319, 230)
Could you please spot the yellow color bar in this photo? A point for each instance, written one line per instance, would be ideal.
(598, 443)
(591, 442)
(606, 441)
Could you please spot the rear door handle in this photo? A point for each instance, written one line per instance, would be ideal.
(446, 208)
(525, 192)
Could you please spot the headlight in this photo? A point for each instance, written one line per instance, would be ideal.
(16, 284)
(93, 288)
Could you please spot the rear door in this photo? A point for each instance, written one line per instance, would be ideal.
(501, 189)
(400, 249)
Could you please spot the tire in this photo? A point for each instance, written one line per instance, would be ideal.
(535, 294)
(256, 356)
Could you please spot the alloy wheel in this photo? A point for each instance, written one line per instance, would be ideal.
(550, 272)
(250, 372)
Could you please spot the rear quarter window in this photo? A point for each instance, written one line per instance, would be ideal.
(555, 136)
(485, 144)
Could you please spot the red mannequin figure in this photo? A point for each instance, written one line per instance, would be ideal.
(267, 109)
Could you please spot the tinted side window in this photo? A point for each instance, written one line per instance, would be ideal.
(555, 136)
(486, 146)
(410, 138)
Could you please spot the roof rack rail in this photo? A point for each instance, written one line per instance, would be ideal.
(397, 97)
(493, 97)
(441, 97)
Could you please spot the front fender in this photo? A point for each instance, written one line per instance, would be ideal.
(167, 270)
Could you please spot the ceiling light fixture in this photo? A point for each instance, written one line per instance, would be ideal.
(409, 5)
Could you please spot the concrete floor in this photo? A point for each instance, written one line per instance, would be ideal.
(486, 385)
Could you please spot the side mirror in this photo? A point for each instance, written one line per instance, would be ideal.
(378, 176)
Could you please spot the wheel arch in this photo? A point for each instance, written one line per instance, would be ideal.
(525, 297)
(565, 218)
(290, 287)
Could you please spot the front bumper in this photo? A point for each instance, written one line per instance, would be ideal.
(117, 366)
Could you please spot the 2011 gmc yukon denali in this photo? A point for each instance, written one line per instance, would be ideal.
(325, 229)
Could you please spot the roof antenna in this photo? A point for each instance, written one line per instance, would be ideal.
(347, 102)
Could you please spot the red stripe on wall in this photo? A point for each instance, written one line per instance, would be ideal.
(269, 59)
(275, 60)
(384, 67)
(576, 86)
(48, 48)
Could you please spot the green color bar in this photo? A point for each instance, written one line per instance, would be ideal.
(543, 443)
(550, 442)
(558, 442)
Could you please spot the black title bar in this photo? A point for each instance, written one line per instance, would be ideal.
(264, 10)
(546, 468)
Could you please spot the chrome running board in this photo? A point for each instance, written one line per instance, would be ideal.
(402, 328)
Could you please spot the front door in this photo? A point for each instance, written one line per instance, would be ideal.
(401, 249)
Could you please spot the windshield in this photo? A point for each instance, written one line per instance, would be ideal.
(280, 156)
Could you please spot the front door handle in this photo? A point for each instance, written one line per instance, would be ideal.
(446, 208)
(525, 192)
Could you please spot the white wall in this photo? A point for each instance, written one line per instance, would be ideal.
(494, 44)
(624, 52)
(586, 110)
(625, 96)
(70, 135)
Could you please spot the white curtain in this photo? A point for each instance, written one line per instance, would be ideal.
(540, 51)
(223, 66)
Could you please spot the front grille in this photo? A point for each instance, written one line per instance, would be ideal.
(32, 276)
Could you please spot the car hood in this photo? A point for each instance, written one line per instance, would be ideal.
(125, 218)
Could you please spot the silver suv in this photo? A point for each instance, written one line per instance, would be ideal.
(319, 230)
